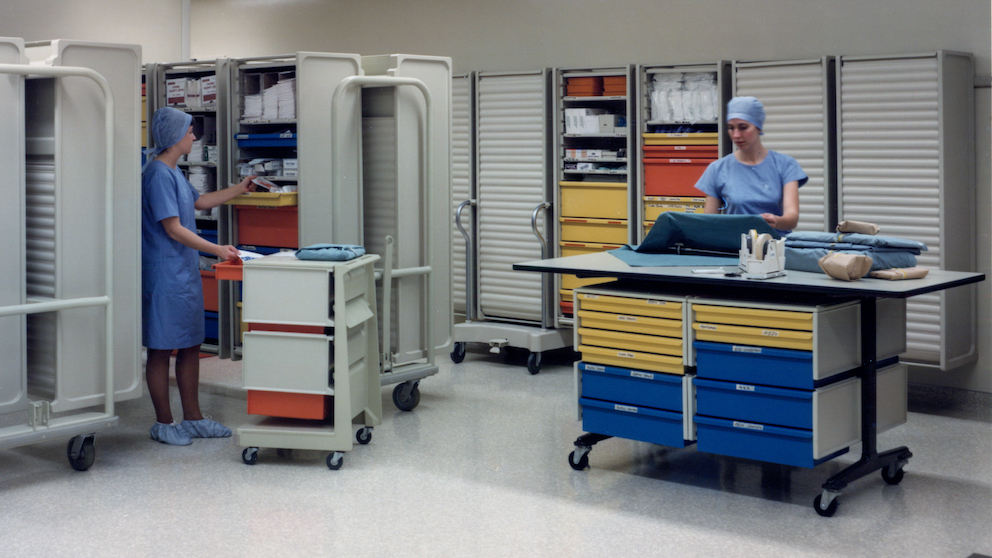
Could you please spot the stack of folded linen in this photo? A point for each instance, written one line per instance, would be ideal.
(803, 249)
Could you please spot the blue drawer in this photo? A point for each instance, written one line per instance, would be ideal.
(762, 442)
(266, 140)
(763, 404)
(755, 365)
(633, 387)
(635, 423)
(211, 330)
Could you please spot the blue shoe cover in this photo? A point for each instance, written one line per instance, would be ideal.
(170, 434)
(205, 428)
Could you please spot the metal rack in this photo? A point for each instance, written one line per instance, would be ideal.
(41, 425)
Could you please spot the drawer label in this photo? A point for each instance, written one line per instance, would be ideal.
(645, 375)
(740, 349)
(625, 354)
(748, 425)
(658, 302)
(744, 387)
(627, 318)
(710, 327)
(625, 408)
(590, 296)
(595, 368)
(769, 333)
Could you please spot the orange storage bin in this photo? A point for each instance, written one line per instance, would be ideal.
(211, 297)
(229, 271)
(673, 176)
(289, 405)
(268, 226)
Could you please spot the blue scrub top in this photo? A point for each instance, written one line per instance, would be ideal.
(171, 289)
(751, 189)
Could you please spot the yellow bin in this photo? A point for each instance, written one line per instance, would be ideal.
(756, 336)
(598, 200)
(696, 138)
(635, 306)
(631, 341)
(632, 359)
(630, 324)
(576, 229)
(756, 317)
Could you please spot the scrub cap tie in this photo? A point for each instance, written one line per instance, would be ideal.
(169, 125)
(748, 109)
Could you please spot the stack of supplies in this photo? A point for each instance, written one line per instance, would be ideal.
(803, 249)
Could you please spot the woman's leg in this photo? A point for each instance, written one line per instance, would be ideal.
(188, 380)
(157, 378)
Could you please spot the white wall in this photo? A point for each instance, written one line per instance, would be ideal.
(530, 34)
(156, 25)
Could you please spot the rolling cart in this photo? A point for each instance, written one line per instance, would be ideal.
(41, 426)
(311, 355)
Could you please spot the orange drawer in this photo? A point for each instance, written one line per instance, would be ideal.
(673, 176)
(268, 226)
(211, 297)
(289, 405)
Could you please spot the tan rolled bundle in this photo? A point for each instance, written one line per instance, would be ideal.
(857, 227)
(898, 273)
(846, 267)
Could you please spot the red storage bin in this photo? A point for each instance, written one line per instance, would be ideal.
(210, 292)
(287, 328)
(268, 226)
(673, 176)
(290, 405)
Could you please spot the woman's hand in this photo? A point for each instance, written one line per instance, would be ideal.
(771, 219)
(245, 185)
(226, 252)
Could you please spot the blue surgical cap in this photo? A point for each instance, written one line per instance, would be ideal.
(748, 109)
(169, 125)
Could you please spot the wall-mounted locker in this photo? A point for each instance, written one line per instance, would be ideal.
(680, 130)
(462, 183)
(13, 371)
(64, 122)
(280, 127)
(799, 99)
(513, 194)
(399, 147)
(906, 162)
(594, 175)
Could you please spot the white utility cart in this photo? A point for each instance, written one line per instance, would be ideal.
(311, 349)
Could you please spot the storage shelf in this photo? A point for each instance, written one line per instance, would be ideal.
(596, 160)
(623, 135)
(600, 99)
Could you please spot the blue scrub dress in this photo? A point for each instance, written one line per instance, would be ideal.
(171, 289)
(751, 189)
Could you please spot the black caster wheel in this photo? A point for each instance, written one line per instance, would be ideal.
(458, 354)
(87, 454)
(831, 508)
(250, 456)
(892, 477)
(579, 465)
(534, 363)
(335, 460)
(409, 402)
(364, 435)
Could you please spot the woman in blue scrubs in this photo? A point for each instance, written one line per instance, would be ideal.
(171, 291)
(753, 180)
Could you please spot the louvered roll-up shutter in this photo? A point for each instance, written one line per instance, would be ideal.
(512, 180)
(461, 181)
(798, 99)
(905, 162)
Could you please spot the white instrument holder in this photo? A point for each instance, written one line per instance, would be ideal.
(761, 256)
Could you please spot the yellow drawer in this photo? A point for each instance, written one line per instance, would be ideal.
(652, 210)
(593, 230)
(741, 335)
(266, 199)
(630, 341)
(630, 359)
(634, 306)
(602, 200)
(701, 138)
(569, 282)
(630, 324)
(757, 317)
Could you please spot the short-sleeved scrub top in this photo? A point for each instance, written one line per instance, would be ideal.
(171, 289)
(751, 189)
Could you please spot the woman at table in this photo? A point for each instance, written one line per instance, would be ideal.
(171, 291)
(753, 180)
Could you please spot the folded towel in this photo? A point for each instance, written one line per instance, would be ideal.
(330, 252)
